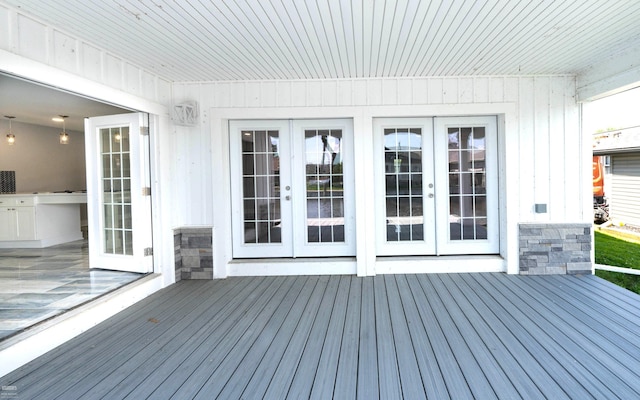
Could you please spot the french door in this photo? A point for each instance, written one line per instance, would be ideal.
(118, 194)
(436, 186)
(292, 188)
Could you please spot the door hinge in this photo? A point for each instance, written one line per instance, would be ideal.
(148, 251)
(146, 191)
(144, 130)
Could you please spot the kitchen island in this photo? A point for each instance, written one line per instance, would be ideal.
(40, 219)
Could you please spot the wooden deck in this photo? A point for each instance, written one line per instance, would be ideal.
(397, 336)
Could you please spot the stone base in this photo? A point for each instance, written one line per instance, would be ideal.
(555, 249)
(193, 253)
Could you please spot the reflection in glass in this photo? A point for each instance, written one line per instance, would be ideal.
(403, 184)
(324, 185)
(116, 178)
(467, 183)
(261, 186)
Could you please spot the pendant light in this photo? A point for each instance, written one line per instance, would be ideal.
(64, 136)
(11, 138)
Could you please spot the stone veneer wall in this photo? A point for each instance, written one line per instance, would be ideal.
(193, 253)
(555, 249)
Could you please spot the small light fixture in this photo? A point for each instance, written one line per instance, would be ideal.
(64, 136)
(11, 138)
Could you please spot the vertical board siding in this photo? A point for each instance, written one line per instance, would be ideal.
(541, 164)
(625, 206)
(547, 120)
(40, 42)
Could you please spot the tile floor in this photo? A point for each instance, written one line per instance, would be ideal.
(37, 284)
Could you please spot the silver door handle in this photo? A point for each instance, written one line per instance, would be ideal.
(431, 195)
(287, 197)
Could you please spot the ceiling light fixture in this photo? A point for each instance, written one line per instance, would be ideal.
(64, 136)
(11, 138)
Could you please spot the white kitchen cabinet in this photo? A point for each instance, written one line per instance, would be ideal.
(42, 220)
(17, 223)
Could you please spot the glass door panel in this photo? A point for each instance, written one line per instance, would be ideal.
(116, 176)
(403, 184)
(117, 180)
(324, 186)
(468, 186)
(404, 189)
(261, 186)
(467, 183)
(323, 183)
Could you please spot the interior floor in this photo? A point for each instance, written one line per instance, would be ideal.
(37, 284)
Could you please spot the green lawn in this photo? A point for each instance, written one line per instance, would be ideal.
(619, 252)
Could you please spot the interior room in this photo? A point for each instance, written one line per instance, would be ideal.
(44, 260)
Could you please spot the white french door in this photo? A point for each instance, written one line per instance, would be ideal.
(292, 188)
(436, 186)
(118, 192)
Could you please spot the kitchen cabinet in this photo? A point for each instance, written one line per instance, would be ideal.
(17, 223)
(40, 220)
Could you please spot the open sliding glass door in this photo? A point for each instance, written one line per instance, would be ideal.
(118, 192)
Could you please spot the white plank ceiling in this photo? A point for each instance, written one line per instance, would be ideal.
(208, 40)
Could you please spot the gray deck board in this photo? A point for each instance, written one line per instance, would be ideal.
(594, 349)
(474, 373)
(409, 372)
(433, 381)
(345, 385)
(405, 336)
(135, 360)
(325, 374)
(561, 352)
(221, 360)
(112, 340)
(164, 354)
(305, 373)
(486, 346)
(367, 380)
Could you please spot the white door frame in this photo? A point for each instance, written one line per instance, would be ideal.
(293, 200)
(435, 188)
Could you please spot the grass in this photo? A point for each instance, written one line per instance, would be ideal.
(620, 250)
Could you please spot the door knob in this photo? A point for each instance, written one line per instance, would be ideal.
(431, 195)
(287, 197)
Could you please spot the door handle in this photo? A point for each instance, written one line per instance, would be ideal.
(431, 195)
(287, 197)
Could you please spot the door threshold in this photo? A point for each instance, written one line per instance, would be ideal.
(292, 266)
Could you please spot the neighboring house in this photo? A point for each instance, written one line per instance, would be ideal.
(450, 149)
(621, 151)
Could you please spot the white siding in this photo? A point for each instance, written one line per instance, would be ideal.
(36, 41)
(547, 127)
(625, 196)
(541, 151)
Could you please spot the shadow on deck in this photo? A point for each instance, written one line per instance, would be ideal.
(395, 336)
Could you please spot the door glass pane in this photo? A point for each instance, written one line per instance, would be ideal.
(116, 177)
(324, 185)
(261, 186)
(467, 183)
(403, 184)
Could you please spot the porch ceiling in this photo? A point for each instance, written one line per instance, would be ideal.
(199, 40)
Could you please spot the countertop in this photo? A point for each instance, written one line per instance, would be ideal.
(51, 197)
